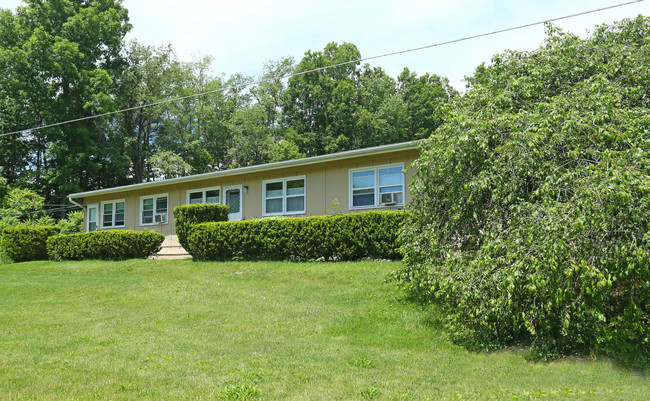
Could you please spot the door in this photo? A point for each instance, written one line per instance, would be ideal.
(91, 217)
(233, 198)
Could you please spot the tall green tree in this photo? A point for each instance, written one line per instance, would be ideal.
(426, 98)
(152, 75)
(63, 56)
(314, 100)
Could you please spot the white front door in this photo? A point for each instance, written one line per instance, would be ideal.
(232, 196)
(92, 217)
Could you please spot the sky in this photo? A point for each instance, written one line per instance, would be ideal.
(241, 35)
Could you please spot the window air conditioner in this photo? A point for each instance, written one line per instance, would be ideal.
(390, 199)
(160, 218)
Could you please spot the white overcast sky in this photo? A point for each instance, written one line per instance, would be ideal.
(243, 34)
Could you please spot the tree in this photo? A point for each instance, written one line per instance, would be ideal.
(152, 75)
(167, 164)
(313, 101)
(63, 56)
(252, 139)
(531, 202)
(425, 98)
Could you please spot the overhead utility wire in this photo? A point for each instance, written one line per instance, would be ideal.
(241, 86)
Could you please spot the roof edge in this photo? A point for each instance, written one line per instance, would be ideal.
(253, 169)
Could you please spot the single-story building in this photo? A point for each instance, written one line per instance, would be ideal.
(364, 179)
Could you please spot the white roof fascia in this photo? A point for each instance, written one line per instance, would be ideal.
(377, 150)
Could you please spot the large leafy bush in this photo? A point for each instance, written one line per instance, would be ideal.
(110, 244)
(24, 243)
(188, 215)
(531, 204)
(341, 237)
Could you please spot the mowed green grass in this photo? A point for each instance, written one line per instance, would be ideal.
(182, 330)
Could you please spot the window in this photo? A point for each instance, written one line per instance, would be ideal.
(113, 213)
(92, 218)
(153, 209)
(377, 186)
(205, 195)
(285, 196)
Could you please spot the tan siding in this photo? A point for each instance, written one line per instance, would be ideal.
(324, 183)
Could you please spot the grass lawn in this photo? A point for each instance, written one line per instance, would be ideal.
(177, 330)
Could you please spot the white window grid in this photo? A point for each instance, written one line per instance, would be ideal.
(113, 205)
(284, 196)
(203, 194)
(376, 188)
(155, 209)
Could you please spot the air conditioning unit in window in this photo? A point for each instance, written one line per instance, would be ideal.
(160, 218)
(390, 199)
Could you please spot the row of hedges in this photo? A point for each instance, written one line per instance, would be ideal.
(42, 242)
(188, 215)
(341, 237)
(25, 243)
(122, 244)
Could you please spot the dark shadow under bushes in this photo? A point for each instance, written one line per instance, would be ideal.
(341, 237)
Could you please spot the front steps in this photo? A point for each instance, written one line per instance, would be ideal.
(171, 249)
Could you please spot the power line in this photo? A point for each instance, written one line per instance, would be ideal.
(244, 85)
(44, 211)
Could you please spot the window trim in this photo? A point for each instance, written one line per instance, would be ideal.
(155, 199)
(91, 206)
(377, 202)
(203, 191)
(284, 196)
(101, 213)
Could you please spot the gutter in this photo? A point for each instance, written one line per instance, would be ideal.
(75, 202)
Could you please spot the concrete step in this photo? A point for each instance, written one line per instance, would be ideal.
(171, 249)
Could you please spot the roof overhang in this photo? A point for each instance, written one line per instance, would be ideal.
(377, 150)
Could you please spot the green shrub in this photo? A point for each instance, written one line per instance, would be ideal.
(112, 245)
(341, 237)
(188, 215)
(25, 243)
(73, 223)
(530, 214)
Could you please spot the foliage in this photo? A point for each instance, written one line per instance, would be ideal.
(167, 164)
(111, 245)
(63, 56)
(73, 223)
(4, 189)
(69, 61)
(531, 203)
(25, 243)
(23, 202)
(21, 208)
(341, 237)
(187, 216)
(351, 106)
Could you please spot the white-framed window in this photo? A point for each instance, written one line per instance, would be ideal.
(283, 196)
(113, 213)
(377, 186)
(92, 214)
(153, 209)
(204, 195)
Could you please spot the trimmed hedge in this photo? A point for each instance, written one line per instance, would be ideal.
(341, 237)
(187, 215)
(112, 245)
(25, 243)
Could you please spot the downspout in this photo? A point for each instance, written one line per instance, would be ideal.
(75, 203)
